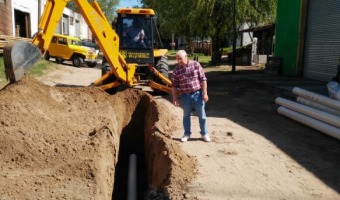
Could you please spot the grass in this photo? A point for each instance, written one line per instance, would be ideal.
(40, 68)
(37, 70)
(227, 50)
(3, 80)
(204, 60)
(201, 57)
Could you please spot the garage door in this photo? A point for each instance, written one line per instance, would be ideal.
(322, 44)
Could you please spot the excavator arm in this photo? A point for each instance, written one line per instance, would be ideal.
(106, 37)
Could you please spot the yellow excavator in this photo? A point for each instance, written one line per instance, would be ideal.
(127, 60)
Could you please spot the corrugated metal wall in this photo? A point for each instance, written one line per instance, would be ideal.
(322, 40)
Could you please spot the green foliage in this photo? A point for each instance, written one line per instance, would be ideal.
(37, 70)
(226, 50)
(173, 16)
(213, 18)
(40, 68)
(204, 18)
(3, 80)
(109, 8)
(2, 68)
(204, 60)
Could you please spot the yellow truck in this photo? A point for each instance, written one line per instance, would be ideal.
(69, 48)
(131, 65)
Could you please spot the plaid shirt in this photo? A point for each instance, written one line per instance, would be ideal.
(188, 78)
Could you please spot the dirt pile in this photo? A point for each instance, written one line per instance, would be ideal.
(65, 142)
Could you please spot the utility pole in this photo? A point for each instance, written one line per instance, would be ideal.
(233, 69)
(173, 44)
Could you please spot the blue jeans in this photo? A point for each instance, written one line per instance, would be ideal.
(189, 101)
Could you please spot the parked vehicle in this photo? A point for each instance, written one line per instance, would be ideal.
(89, 43)
(69, 48)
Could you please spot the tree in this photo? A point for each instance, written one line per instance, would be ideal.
(108, 7)
(211, 18)
(171, 17)
(216, 23)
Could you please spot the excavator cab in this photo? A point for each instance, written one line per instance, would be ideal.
(139, 43)
(136, 29)
(135, 35)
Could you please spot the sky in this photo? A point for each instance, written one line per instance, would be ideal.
(128, 3)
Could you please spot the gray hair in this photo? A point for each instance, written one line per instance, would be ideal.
(181, 53)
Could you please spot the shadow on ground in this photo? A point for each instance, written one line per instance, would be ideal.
(248, 99)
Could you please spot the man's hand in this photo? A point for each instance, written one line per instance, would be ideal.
(175, 102)
(205, 91)
(174, 97)
(205, 97)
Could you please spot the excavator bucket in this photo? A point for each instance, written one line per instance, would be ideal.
(19, 57)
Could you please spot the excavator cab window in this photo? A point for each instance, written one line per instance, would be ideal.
(136, 37)
(135, 32)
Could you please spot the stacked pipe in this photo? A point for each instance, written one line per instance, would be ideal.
(314, 110)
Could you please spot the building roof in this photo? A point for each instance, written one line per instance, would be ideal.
(259, 28)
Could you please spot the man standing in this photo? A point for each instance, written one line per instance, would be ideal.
(189, 89)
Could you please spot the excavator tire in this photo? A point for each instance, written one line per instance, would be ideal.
(163, 67)
(18, 58)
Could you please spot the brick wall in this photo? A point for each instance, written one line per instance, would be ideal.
(6, 17)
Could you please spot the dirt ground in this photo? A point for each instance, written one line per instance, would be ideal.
(58, 141)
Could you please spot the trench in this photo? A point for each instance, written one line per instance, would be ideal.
(138, 138)
(131, 142)
(89, 161)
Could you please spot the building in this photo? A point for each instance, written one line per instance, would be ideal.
(307, 38)
(262, 38)
(21, 18)
(6, 16)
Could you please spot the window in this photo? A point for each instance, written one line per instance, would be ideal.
(135, 32)
(62, 41)
(54, 40)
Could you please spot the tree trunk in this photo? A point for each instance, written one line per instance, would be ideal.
(189, 43)
(216, 53)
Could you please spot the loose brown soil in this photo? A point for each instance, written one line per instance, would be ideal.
(61, 141)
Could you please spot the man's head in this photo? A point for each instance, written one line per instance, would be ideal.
(182, 57)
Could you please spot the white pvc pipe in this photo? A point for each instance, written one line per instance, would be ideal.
(316, 105)
(334, 90)
(335, 104)
(311, 112)
(132, 178)
(308, 121)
